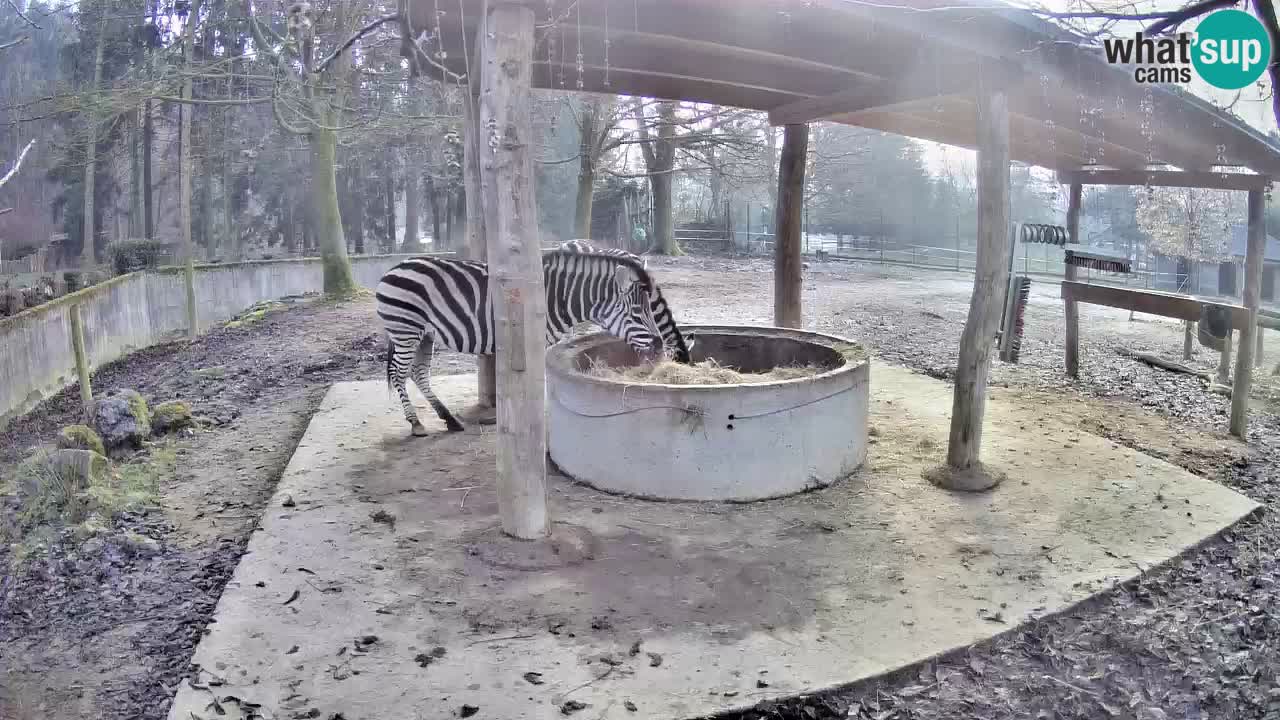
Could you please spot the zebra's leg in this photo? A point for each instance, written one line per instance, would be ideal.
(400, 358)
(422, 378)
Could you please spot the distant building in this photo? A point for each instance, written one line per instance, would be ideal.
(1224, 279)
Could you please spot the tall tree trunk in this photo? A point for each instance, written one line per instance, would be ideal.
(204, 235)
(389, 200)
(135, 177)
(659, 159)
(433, 202)
(412, 197)
(586, 192)
(357, 207)
(338, 279)
(664, 227)
(290, 230)
(587, 130)
(148, 136)
(458, 216)
(448, 220)
(185, 167)
(231, 238)
(87, 256)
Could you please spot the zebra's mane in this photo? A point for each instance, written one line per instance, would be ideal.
(634, 264)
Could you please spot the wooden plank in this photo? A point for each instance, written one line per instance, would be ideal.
(477, 242)
(989, 283)
(1168, 178)
(1152, 302)
(1069, 303)
(1257, 242)
(515, 269)
(788, 216)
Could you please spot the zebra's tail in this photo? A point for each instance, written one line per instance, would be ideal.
(390, 350)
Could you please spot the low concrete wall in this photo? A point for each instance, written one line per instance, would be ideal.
(139, 310)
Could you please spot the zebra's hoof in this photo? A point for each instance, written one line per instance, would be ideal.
(454, 427)
(419, 430)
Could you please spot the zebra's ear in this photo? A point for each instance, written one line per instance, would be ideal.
(624, 277)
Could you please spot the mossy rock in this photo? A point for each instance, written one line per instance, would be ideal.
(171, 416)
(123, 421)
(80, 437)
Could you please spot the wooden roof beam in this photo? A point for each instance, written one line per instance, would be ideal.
(1167, 178)
(957, 79)
(914, 126)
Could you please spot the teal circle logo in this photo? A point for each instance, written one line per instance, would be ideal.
(1232, 49)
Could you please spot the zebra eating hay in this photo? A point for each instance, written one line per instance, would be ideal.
(672, 339)
(427, 300)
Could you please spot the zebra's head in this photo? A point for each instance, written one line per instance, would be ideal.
(627, 313)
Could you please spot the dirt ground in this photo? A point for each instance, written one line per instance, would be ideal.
(106, 629)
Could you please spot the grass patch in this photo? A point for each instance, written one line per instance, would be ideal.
(81, 489)
(255, 314)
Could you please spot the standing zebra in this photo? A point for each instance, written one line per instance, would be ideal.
(671, 335)
(427, 300)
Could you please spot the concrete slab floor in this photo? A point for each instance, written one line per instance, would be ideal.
(678, 609)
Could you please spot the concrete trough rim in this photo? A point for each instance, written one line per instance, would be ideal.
(561, 356)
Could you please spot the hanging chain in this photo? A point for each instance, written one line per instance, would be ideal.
(607, 42)
(580, 63)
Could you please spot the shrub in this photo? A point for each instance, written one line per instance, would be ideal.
(170, 416)
(132, 255)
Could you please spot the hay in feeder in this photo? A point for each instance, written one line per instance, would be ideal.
(706, 372)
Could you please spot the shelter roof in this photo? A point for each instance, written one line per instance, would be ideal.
(909, 67)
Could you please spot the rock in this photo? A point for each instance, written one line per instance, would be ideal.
(141, 545)
(171, 416)
(80, 437)
(122, 420)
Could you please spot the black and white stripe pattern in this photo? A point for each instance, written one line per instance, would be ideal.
(672, 338)
(429, 301)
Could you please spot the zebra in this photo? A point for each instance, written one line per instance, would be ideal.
(672, 338)
(427, 300)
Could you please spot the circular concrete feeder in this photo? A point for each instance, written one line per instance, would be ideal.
(737, 442)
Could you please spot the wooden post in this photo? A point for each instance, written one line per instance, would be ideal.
(989, 288)
(477, 244)
(1224, 359)
(82, 361)
(787, 268)
(515, 268)
(1069, 273)
(1251, 298)
(1188, 337)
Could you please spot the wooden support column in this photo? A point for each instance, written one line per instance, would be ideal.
(515, 268)
(1072, 309)
(1224, 359)
(1252, 297)
(787, 266)
(963, 470)
(477, 242)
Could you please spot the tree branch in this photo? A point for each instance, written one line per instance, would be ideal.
(20, 14)
(17, 164)
(19, 41)
(324, 64)
(1177, 18)
(1267, 13)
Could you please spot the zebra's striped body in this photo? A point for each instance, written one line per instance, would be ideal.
(672, 338)
(425, 301)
